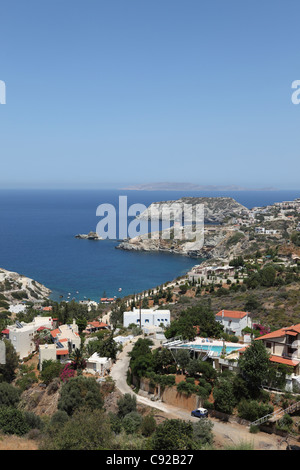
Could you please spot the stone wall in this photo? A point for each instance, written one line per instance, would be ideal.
(169, 395)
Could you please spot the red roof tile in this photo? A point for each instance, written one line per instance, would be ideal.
(232, 314)
(283, 360)
(62, 352)
(290, 330)
(54, 333)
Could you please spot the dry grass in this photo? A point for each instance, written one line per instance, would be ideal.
(16, 443)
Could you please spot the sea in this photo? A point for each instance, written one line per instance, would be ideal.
(37, 239)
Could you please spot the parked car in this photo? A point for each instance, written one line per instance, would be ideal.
(200, 413)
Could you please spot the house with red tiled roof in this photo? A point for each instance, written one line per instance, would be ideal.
(234, 321)
(284, 346)
(94, 326)
(65, 340)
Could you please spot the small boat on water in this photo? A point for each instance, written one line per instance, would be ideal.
(120, 289)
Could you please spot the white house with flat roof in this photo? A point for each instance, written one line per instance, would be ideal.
(21, 334)
(146, 317)
(98, 365)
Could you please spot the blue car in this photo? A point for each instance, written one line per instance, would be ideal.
(200, 413)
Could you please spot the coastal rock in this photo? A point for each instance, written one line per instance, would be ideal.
(89, 236)
(207, 245)
(215, 239)
(16, 287)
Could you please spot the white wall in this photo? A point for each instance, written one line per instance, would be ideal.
(2, 353)
(149, 317)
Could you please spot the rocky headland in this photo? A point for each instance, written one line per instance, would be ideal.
(15, 287)
(228, 230)
(216, 209)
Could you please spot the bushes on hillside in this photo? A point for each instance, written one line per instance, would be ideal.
(80, 392)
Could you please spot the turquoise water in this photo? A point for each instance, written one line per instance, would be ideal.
(216, 349)
(37, 230)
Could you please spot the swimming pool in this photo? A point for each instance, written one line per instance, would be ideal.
(211, 347)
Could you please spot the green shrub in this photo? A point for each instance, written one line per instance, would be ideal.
(254, 429)
(34, 421)
(251, 410)
(84, 430)
(26, 381)
(12, 421)
(80, 392)
(173, 434)
(187, 388)
(131, 422)
(9, 395)
(115, 422)
(285, 423)
(148, 425)
(59, 418)
(126, 404)
(50, 370)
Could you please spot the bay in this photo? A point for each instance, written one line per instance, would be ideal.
(37, 239)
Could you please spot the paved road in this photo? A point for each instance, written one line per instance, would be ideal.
(226, 434)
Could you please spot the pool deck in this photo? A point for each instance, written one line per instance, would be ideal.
(214, 342)
(208, 345)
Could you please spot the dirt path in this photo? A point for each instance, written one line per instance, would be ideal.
(225, 434)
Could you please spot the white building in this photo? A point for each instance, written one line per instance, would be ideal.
(2, 353)
(146, 317)
(21, 334)
(98, 365)
(123, 339)
(234, 321)
(47, 352)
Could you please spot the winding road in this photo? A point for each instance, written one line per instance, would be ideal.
(225, 434)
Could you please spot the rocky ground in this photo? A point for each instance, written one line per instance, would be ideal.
(15, 287)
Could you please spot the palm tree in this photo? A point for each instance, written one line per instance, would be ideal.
(78, 360)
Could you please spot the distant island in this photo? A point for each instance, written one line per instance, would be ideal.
(189, 187)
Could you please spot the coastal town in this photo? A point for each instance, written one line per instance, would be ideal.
(223, 338)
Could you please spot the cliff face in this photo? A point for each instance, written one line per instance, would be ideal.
(216, 209)
(217, 242)
(16, 287)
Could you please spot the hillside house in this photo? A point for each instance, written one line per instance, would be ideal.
(146, 317)
(284, 346)
(234, 321)
(97, 365)
(65, 340)
(21, 334)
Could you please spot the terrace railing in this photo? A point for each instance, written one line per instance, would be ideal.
(276, 415)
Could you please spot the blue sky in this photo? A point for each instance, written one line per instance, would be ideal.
(107, 93)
